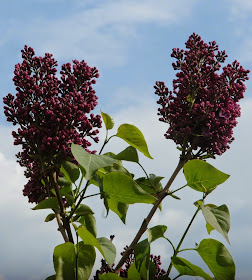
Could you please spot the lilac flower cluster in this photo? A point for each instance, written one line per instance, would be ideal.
(51, 113)
(202, 108)
(105, 268)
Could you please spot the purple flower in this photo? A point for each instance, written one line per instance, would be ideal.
(51, 114)
(202, 108)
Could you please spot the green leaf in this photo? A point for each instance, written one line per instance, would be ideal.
(90, 223)
(209, 228)
(124, 189)
(83, 210)
(106, 248)
(152, 270)
(202, 176)
(142, 258)
(50, 217)
(63, 181)
(110, 276)
(108, 121)
(134, 137)
(156, 232)
(64, 261)
(184, 267)
(119, 208)
(53, 277)
(70, 199)
(218, 218)
(217, 258)
(85, 260)
(67, 189)
(90, 162)
(141, 251)
(49, 203)
(133, 274)
(129, 154)
(70, 170)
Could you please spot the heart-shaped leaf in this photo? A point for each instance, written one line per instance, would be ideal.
(202, 176)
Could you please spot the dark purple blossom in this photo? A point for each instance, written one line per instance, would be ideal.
(202, 108)
(51, 113)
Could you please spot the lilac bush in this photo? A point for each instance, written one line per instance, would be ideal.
(202, 108)
(51, 113)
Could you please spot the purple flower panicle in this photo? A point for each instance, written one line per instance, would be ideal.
(51, 113)
(202, 108)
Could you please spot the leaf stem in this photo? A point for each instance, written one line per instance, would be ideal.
(172, 192)
(170, 243)
(147, 176)
(146, 221)
(182, 239)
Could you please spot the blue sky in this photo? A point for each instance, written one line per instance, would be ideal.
(130, 43)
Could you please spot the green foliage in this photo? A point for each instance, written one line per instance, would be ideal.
(83, 210)
(129, 154)
(110, 276)
(218, 218)
(64, 259)
(217, 258)
(108, 121)
(90, 162)
(124, 189)
(184, 267)
(49, 217)
(85, 260)
(134, 137)
(156, 232)
(49, 203)
(202, 176)
(119, 208)
(70, 171)
(104, 245)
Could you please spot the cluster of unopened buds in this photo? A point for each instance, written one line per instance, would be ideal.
(52, 113)
(202, 108)
(105, 268)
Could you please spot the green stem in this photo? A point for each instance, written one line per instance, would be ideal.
(146, 221)
(182, 239)
(79, 202)
(188, 249)
(91, 195)
(177, 190)
(171, 244)
(147, 176)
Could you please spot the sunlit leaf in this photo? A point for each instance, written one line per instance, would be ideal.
(108, 120)
(124, 189)
(202, 176)
(217, 258)
(133, 136)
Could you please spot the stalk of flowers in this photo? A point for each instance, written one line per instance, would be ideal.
(202, 108)
(51, 113)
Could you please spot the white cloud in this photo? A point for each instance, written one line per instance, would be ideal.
(240, 8)
(100, 33)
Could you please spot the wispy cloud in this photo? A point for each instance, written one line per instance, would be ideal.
(102, 33)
